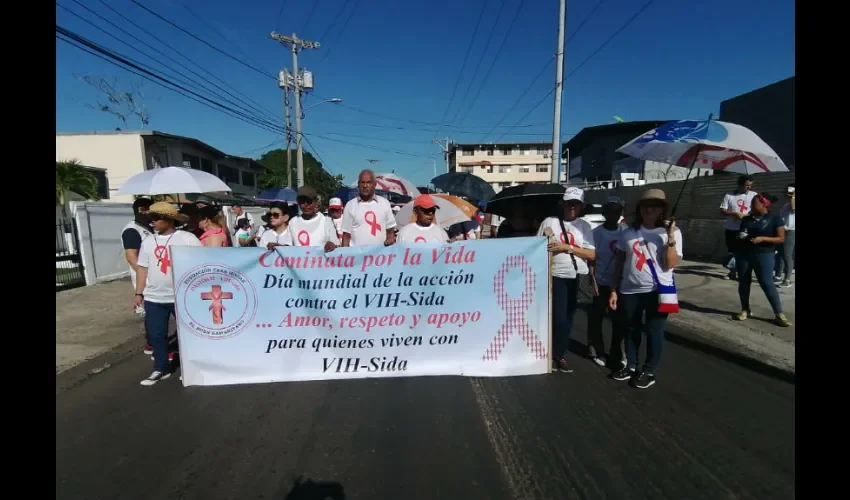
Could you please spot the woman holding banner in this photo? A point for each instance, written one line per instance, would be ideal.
(643, 283)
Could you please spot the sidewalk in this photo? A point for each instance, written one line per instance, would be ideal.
(707, 302)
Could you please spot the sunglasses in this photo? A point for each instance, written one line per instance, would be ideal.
(428, 211)
(155, 217)
(275, 215)
(304, 201)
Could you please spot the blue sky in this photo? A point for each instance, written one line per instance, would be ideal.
(396, 64)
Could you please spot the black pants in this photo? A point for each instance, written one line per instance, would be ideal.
(635, 307)
(564, 302)
(732, 245)
(595, 340)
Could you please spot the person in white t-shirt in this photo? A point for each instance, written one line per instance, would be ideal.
(311, 228)
(605, 238)
(132, 236)
(736, 206)
(571, 242)
(785, 259)
(648, 251)
(335, 213)
(240, 213)
(368, 219)
(424, 230)
(244, 237)
(155, 283)
(278, 235)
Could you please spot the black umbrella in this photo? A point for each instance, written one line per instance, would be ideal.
(538, 200)
(465, 185)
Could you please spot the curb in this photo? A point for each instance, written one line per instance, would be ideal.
(78, 374)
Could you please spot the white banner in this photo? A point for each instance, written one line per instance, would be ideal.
(475, 308)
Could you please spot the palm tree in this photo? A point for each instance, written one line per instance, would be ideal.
(71, 175)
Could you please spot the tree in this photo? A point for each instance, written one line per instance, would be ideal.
(315, 176)
(72, 176)
(122, 104)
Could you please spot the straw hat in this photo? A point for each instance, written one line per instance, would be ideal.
(653, 195)
(167, 210)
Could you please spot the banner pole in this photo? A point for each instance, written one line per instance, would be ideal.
(549, 320)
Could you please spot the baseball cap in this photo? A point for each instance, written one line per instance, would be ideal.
(614, 200)
(335, 203)
(574, 193)
(424, 201)
(306, 192)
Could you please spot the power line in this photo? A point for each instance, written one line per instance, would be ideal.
(208, 44)
(369, 146)
(217, 32)
(463, 65)
(341, 30)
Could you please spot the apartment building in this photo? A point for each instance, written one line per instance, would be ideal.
(123, 154)
(507, 164)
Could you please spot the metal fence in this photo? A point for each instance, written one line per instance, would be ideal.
(69, 265)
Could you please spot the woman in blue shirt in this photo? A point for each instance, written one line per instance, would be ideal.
(759, 235)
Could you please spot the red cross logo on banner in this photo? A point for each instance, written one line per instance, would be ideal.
(217, 306)
(515, 310)
(372, 220)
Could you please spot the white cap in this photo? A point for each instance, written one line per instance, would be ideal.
(396, 208)
(335, 203)
(574, 193)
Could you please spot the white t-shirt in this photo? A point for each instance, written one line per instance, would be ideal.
(788, 217)
(741, 203)
(637, 278)
(495, 220)
(240, 236)
(605, 242)
(367, 221)
(246, 215)
(312, 233)
(272, 236)
(338, 226)
(580, 234)
(414, 233)
(155, 255)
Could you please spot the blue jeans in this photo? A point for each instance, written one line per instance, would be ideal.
(634, 306)
(156, 325)
(785, 259)
(762, 264)
(564, 302)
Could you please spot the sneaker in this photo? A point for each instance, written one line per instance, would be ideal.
(785, 284)
(623, 373)
(781, 320)
(171, 356)
(563, 367)
(148, 349)
(600, 361)
(741, 316)
(154, 378)
(644, 380)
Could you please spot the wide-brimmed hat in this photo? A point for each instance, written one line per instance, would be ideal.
(167, 211)
(653, 195)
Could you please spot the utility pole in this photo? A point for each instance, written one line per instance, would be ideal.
(296, 44)
(559, 90)
(285, 79)
(445, 145)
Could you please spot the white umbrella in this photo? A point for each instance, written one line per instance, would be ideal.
(706, 144)
(396, 184)
(447, 214)
(171, 180)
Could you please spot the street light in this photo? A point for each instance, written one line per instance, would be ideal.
(334, 100)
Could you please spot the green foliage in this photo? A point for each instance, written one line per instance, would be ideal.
(315, 176)
(71, 176)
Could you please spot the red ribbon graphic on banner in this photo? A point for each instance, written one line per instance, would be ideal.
(304, 238)
(641, 258)
(161, 254)
(419, 239)
(515, 310)
(742, 206)
(372, 220)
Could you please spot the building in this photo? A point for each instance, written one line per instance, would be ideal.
(507, 164)
(124, 154)
(769, 112)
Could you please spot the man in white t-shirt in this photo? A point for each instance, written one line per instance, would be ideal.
(240, 213)
(571, 242)
(155, 283)
(605, 238)
(736, 206)
(335, 213)
(424, 230)
(311, 228)
(132, 236)
(368, 219)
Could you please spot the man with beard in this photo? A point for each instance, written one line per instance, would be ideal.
(132, 236)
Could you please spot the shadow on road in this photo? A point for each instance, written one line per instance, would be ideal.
(315, 490)
(711, 310)
(707, 271)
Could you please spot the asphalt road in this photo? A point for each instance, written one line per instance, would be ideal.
(709, 429)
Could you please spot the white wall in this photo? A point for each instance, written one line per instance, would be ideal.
(99, 225)
(121, 155)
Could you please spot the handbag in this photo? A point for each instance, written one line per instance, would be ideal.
(668, 299)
